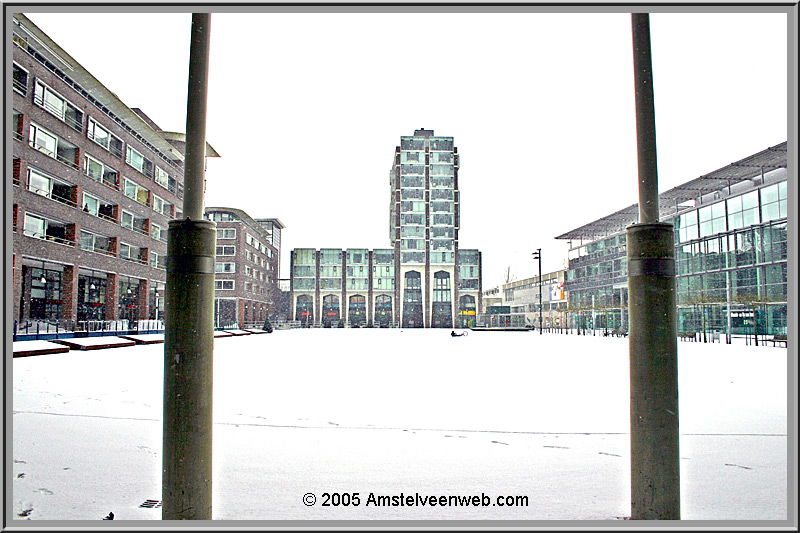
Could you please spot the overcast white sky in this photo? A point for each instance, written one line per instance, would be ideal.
(307, 108)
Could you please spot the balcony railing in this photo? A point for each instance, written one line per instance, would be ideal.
(73, 122)
(30, 48)
(133, 259)
(56, 156)
(99, 250)
(45, 237)
(47, 194)
(20, 87)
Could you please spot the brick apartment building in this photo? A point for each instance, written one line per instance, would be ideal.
(247, 265)
(95, 184)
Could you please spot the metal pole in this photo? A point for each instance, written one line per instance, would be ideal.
(541, 304)
(645, 119)
(655, 468)
(189, 317)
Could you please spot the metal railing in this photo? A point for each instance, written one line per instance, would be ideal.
(37, 329)
(45, 237)
(61, 114)
(20, 87)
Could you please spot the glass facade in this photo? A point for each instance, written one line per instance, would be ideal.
(730, 262)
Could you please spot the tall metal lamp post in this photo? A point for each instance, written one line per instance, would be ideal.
(655, 458)
(538, 255)
(189, 316)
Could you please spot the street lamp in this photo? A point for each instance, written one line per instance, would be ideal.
(538, 255)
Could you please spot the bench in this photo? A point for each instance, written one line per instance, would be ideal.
(779, 338)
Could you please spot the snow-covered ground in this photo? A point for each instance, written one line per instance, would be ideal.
(391, 412)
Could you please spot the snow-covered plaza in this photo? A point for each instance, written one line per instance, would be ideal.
(388, 412)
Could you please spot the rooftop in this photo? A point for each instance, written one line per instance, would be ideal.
(669, 201)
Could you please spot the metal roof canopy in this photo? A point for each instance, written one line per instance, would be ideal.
(748, 168)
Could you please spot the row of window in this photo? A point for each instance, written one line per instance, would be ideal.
(49, 99)
(51, 187)
(42, 227)
(419, 182)
(60, 107)
(230, 284)
(761, 205)
(434, 143)
(61, 150)
(419, 157)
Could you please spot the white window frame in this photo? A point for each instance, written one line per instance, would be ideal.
(220, 284)
(129, 160)
(93, 198)
(137, 189)
(90, 133)
(225, 267)
(86, 159)
(35, 131)
(158, 200)
(226, 233)
(45, 89)
(161, 177)
(27, 78)
(227, 248)
(156, 231)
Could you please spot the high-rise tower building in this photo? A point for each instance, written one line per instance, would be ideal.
(424, 280)
(424, 227)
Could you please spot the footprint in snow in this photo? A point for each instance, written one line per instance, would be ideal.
(498, 442)
(739, 466)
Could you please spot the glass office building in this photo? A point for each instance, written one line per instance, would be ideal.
(730, 253)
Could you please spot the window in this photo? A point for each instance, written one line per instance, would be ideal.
(131, 252)
(158, 261)
(161, 177)
(104, 138)
(134, 159)
(226, 233)
(92, 242)
(773, 202)
(225, 267)
(224, 284)
(41, 227)
(157, 232)
(134, 222)
(226, 250)
(136, 192)
(91, 204)
(158, 204)
(57, 105)
(20, 80)
(46, 185)
(43, 140)
(100, 172)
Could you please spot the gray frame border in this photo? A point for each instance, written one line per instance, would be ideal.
(791, 9)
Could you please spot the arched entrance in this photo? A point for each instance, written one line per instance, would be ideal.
(357, 311)
(412, 300)
(442, 313)
(304, 309)
(330, 311)
(466, 311)
(383, 311)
